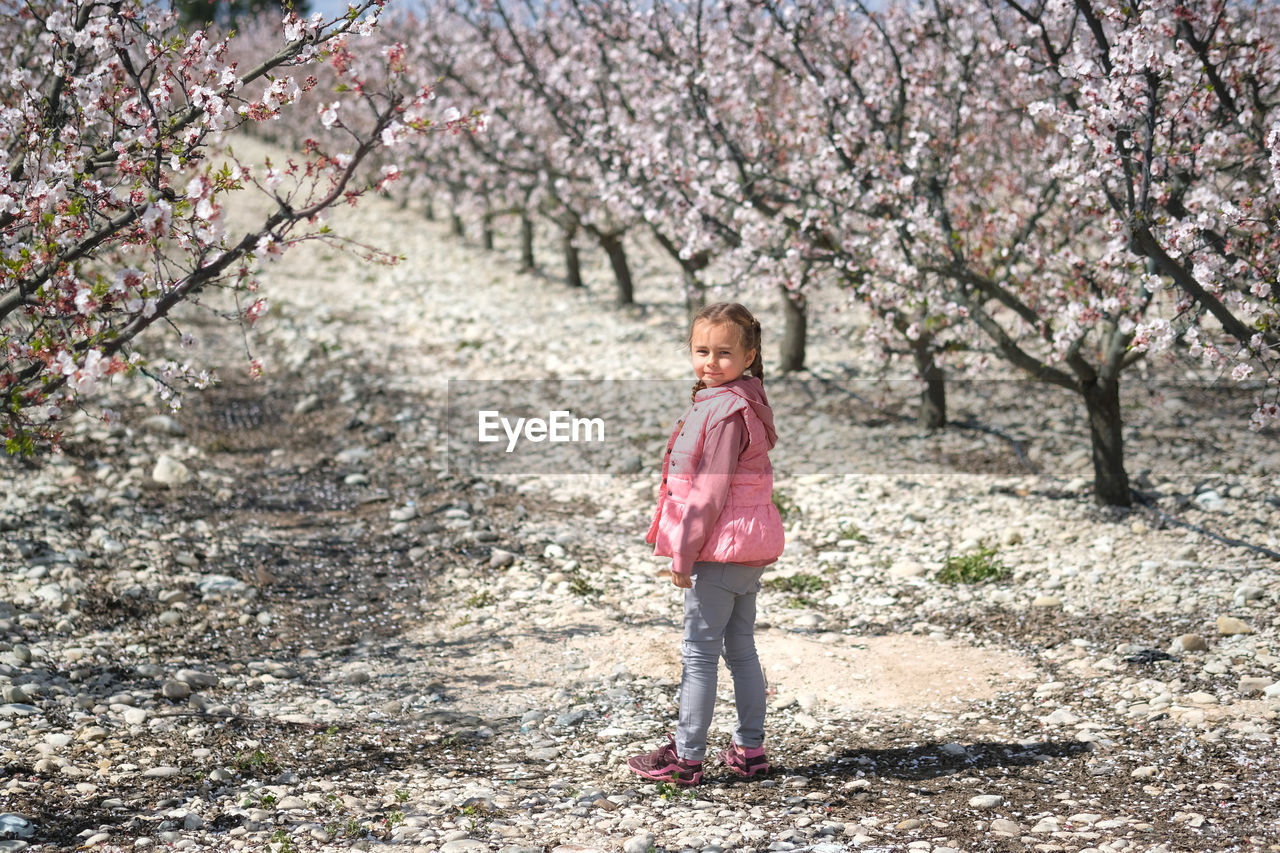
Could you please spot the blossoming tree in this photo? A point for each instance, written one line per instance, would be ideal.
(112, 211)
(1015, 182)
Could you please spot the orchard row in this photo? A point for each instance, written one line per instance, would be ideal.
(1078, 189)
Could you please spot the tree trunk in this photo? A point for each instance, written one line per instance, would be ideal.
(459, 229)
(932, 413)
(695, 295)
(1110, 482)
(486, 234)
(794, 331)
(429, 210)
(572, 263)
(612, 245)
(526, 242)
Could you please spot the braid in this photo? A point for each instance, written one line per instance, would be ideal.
(757, 365)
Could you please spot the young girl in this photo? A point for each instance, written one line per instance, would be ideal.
(716, 520)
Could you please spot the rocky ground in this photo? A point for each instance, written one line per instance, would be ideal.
(277, 619)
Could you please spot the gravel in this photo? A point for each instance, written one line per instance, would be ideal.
(276, 620)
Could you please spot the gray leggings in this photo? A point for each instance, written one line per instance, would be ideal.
(720, 619)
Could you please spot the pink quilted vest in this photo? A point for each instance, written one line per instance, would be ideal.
(749, 529)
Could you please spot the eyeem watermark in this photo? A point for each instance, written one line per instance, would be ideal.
(550, 426)
(558, 426)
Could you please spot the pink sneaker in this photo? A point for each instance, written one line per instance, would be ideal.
(664, 765)
(745, 762)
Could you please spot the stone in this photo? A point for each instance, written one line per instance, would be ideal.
(1252, 685)
(1005, 826)
(464, 845)
(16, 826)
(1247, 593)
(1046, 602)
(1045, 826)
(173, 689)
(163, 772)
(196, 679)
(1210, 501)
(1060, 717)
(907, 569)
(642, 843)
(986, 801)
(170, 472)
(163, 425)
(1229, 626)
(1189, 643)
(221, 585)
(408, 512)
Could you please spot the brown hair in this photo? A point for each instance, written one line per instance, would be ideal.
(731, 313)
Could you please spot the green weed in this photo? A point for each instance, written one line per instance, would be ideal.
(671, 791)
(256, 760)
(851, 532)
(975, 567)
(284, 844)
(786, 507)
(800, 587)
(581, 587)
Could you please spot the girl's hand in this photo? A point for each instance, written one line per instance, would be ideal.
(682, 581)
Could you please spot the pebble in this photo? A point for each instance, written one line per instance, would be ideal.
(173, 689)
(196, 679)
(161, 772)
(1251, 686)
(170, 472)
(464, 845)
(1229, 626)
(642, 843)
(987, 801)
(1189, 643)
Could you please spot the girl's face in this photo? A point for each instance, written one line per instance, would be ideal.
(717, 353)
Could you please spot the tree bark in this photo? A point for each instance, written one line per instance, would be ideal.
(1102, 402)
(695, 295)
(932, 412)
(429, 211)
(795, 330)
(459, 229)
(486, 233)
(612, 245)
(526, 242)
(572, 262)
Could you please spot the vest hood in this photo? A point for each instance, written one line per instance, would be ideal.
(751, 390)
